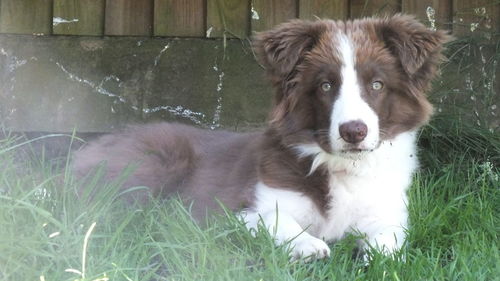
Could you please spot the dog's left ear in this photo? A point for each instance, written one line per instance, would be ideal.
(418, 47)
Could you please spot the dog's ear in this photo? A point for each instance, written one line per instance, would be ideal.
(279, 50)
(417, 47)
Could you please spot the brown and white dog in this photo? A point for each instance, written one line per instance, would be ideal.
(338, 153)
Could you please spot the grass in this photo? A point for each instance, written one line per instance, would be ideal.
(47, 232)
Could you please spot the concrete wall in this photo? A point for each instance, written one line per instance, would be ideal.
(96, 84)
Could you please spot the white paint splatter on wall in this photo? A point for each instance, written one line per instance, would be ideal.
(58, 20)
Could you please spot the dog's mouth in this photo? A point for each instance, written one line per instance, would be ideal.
(347, 149)
(353, 149)
(353, 153)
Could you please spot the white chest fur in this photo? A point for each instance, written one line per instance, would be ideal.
(367, 195)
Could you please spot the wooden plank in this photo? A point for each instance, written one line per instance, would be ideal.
(473, 15)
(78, 17)
(434, 13)
(366, 8)
(333, 9)
(26, 16)
(268, 13)
(179, 18)
(129, 17)
(228, 18)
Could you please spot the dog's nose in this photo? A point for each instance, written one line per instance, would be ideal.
(353, 131)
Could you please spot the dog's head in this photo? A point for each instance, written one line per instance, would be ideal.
(348, 86)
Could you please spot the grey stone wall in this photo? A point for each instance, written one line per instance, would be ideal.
(90, 84)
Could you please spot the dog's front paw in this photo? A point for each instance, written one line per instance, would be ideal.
(309, 248)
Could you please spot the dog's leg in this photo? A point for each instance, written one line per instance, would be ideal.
(285, 229)
(387, 238)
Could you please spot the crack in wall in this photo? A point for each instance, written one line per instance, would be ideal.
(218, 108)
(96, 87)
(196, 117)
(178, 111)
(158, 57)
(15, 61)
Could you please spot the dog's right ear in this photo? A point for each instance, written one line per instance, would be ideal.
(279, 50)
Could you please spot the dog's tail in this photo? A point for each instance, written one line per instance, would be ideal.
(155, 158)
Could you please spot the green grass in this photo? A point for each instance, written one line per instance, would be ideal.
(454, 210)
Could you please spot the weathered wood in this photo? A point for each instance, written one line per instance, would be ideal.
(78, 17)
(434, 13)
(26, 16)
(268, 13)
(332, 9)
(129, 17)
(179, 18)
(473, 15)
(228, 18)
(366, 8)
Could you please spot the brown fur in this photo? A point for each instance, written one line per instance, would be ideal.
(174, 158)
(298, 56)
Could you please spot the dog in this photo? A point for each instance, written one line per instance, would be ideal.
(338, 153)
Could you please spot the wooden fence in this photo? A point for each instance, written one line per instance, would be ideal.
(217, 18)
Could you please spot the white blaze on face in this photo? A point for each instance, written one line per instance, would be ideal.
(349, 105)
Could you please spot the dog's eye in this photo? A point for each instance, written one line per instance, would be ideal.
(325, 87)
(377, 85)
